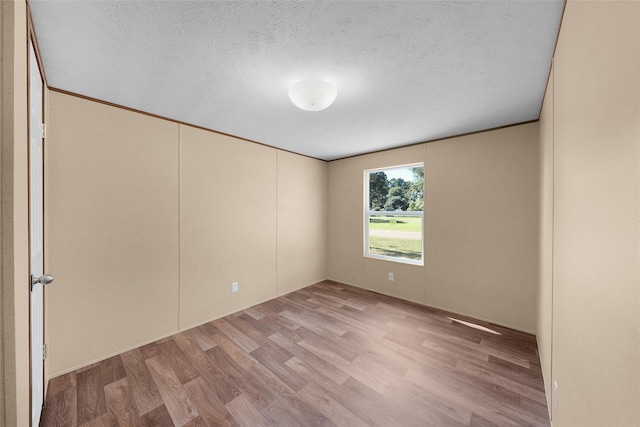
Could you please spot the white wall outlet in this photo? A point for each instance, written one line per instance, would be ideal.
(391, 277)
(555, 395)
(234, 287)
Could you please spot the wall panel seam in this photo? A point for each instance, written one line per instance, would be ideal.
(553, 218)
(179, 226)
(277, 221)
(424, 228)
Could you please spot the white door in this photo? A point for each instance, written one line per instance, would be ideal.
(36, 229)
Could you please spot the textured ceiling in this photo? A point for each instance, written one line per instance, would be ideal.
(406, 72)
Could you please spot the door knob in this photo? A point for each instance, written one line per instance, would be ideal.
(45, 279)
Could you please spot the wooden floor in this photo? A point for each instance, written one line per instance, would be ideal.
(328, 354)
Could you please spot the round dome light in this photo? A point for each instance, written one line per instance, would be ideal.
(312, 95)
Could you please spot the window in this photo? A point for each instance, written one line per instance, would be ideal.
(394, 217)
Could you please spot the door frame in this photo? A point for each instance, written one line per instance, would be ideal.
(31, 42)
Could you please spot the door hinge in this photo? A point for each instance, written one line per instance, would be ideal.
(44, 131)
(44, 351)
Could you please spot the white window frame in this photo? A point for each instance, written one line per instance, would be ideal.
(369, 213)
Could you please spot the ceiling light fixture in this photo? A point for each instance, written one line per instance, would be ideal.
(312, 95)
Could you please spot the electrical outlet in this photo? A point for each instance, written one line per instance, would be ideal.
(555, 395)
(234, 287)
(391, 277)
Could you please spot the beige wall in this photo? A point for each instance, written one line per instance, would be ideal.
(301, 221)
(346, 230)
(481, 226)
(596, 211)
(545, 290)
(249, 214)
(227, 224)
(481, 238)
(112, 227)
(149, 222)
(14, 287)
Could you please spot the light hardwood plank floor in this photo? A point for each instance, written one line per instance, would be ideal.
(328, 354)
